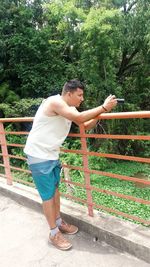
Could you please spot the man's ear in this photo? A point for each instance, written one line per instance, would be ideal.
(69, 94)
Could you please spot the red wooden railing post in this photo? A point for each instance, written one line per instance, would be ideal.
(5, 154)
(86, 171)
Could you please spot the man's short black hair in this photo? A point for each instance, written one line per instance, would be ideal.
(72, 86)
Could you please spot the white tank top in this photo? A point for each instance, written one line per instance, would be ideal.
(47, 135)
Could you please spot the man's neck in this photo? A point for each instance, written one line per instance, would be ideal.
(65, 99)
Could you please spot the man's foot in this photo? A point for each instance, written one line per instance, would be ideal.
(67, 228)
(59, 241)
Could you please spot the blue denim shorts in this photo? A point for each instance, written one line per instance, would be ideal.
(46, 176)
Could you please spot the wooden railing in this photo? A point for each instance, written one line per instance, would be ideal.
(85, 167)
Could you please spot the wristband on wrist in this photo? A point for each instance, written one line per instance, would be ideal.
(104, 108)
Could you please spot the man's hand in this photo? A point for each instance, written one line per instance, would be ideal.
(110, 102)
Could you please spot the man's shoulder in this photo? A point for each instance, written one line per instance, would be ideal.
(54, 97)
(52, 104)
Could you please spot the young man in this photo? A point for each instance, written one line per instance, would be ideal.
(51, 126)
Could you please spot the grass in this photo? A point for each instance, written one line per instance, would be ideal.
(119, 186)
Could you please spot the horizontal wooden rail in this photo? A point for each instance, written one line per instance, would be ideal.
(120, 213)
(125, 115)
(2, 165)
(13, 156)
(106, 116)
(115, 156)
(24, 182)
(17, 133)
(109, 174)
(3, 175)
(19, 169)
(15, 145)
(24, 119)
(74, 198)
(112, 193)
(104, 155)
(111, 136)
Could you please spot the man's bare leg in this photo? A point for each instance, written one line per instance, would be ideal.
(50, 212)
(51, 209)
(57, 203)
(64, 227)
(55, 237)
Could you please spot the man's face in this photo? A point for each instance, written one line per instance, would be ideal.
(76, 97)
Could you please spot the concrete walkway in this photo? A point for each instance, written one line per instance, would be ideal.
(23, 243)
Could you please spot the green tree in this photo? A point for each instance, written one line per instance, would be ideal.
(30, 57)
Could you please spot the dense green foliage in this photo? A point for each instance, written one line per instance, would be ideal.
(104, 43)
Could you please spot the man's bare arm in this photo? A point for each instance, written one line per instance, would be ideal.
(72, 114)
(90, 124)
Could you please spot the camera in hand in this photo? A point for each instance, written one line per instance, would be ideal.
(120, 100)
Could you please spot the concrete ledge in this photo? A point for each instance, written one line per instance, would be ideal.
(125, 236)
